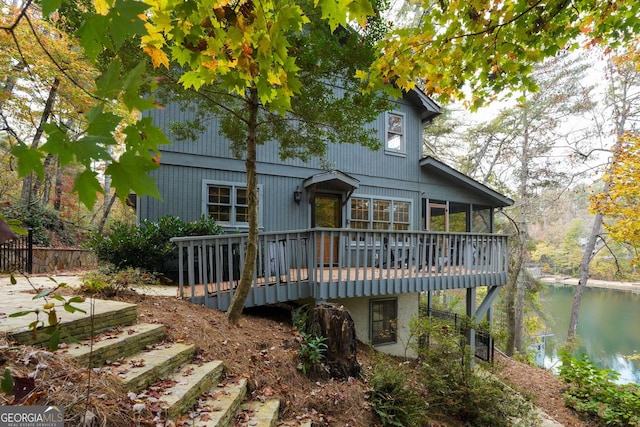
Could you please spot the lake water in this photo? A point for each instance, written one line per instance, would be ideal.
(609, 327)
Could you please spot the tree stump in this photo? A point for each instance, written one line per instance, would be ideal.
(336, 325)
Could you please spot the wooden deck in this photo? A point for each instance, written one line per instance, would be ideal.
(360, 264)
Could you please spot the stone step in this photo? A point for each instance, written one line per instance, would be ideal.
(305, 423)
(218, 407)
(106, 314)
(110, 346)
(188, 384)
(144, 368)
(258, 414)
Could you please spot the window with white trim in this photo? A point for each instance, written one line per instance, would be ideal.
(379, 214)
(384, 321)
(395, 139)
(227, 203)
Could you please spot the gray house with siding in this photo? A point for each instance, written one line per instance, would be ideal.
(373, 233)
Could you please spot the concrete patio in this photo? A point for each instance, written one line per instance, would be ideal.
(18, 297)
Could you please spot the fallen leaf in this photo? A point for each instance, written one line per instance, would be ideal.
(22, 386)
(139, 363)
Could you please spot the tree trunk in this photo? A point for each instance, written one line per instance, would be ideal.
(105, 212)
(251, 252)
(512, 290)
(515, 292)
(523, 232)
(57, 200)
(336, 325)
(519, 308)
(585, 264)
(25, 197)
(38, 182)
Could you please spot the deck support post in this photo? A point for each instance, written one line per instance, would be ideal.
(487, 303)
(471, 334)
(490, 317)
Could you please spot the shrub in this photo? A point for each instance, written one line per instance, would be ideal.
(44, 222)
(312, 347)
(109, 283)
(299, 318)
(453, 387)
(311, 353)
(146, 246)
(392, 398)
(593, 392)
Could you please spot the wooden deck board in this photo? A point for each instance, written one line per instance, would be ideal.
(332, 275)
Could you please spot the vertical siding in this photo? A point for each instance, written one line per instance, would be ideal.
(279, 210)
(349, 157)
(181, 192)
(208, 157)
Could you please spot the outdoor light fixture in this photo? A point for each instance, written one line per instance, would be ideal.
(297, 195)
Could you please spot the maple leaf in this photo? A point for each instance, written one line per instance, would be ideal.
(87, 186)
(158, 57)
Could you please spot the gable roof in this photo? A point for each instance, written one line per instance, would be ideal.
(332, 179)
(428, 107)
(437, 167)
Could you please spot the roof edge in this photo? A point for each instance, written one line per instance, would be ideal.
(432, 162)
(329, 176)
(429, 108)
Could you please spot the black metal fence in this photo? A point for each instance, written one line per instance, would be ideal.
(17, 255)
(485, 346)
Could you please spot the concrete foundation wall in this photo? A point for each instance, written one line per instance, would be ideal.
(407, 308)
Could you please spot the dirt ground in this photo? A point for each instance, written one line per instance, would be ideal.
(263, 349)
(542, 387)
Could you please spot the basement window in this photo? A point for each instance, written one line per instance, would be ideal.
(384, 321)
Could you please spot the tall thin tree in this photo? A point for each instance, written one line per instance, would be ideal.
(623, 76)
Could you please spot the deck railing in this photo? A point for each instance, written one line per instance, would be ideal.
(338, 263)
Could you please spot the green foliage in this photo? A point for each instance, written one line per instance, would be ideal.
(311, 353)
(147, 246)
(392, 398)
(312, 348)
(6, 385)
(52, 325)
(299, 317)
(109, 283)
(486, 48)
(592, 391)
(44, 223)
(453, 388)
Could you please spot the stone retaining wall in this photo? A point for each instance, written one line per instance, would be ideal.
(51, 260)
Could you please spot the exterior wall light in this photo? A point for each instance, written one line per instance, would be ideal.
(297, 195)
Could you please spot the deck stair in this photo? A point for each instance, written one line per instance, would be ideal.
(168, 374)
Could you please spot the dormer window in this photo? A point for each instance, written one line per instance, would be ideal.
(395, 133)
